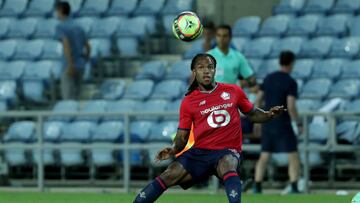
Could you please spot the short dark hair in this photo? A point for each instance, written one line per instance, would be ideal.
(64, 7)
(286, 58)
(226, 27)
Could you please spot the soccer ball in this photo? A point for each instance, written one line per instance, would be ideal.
(187, 26)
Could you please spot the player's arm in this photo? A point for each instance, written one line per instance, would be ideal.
(258, 115)
(179, 144)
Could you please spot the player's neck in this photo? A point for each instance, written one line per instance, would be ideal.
(206, 88)
(285, 69)
(224, 50)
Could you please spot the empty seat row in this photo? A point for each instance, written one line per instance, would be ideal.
(319, 47)
(17, 8)
(314, 6)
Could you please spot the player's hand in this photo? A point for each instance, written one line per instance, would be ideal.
(276, 110)
(165, 154)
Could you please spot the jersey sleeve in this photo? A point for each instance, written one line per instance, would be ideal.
(185, 117)
(243, 102)
(293, 89)
(245, 70)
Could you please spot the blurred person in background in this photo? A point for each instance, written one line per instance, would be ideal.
(208, 35)
(279, 135)
(76, 51)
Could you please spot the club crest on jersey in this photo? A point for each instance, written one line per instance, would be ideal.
(225, 96)
(202, 103)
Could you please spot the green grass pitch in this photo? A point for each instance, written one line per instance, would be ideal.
(57, 197)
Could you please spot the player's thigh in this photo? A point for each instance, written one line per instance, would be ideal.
(227, 163)
(293, 157)
(264, 156)
(174, 173)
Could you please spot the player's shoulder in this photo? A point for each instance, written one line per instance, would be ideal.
(237, 53)
(229, 87)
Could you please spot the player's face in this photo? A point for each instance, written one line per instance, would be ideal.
(204, 71)
(223, 38)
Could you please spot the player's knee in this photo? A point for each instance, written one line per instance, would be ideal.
(226, 164)
(172, 176)
(264, 158)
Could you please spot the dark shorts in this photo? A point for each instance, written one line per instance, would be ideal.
(202, 163)
(275, 141)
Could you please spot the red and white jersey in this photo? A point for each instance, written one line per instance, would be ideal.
(216, 117)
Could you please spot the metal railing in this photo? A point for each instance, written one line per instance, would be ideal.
(41, 116)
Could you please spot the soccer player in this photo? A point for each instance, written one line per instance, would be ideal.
(279, 88)
(213, 108)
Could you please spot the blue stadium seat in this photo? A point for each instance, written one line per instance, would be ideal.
(255, 64)
(121, 106)
(317, 47)
(351, 69)
(13, 8)
(153, 70)
(85, 23)
(267, 67)
(56, 68)
(3, 107)
(319, 131)
(315, 6)
(112, 89)
(65, 106)
(22, 28)
(140, 131)
(52, 49)
(169, 89)
(40, 8)
(78, 131)
(140, 89)
(334, 25)
(304, 25)
(306, 105)
(346, 47)
(34, 81)
(329, 68)
(141, 26)
(346, 131)
(173, 107)
(53, 130)
(46, 28)
(102, 157)
(137, 158)
(247, 26)
(259, 48)
(93, 106)
(175, 6)
(15, 157)
(300, 84)
(354, 26)
(346, 6)
(275, 26)
(108, 131)
(13, 70)
(316, 88)
(128, 46)
(7, 49)
(93, 7)
(100, 47)
(105, 27)
(293, 44)
(8, 91)
(121, 7)
(195, 48)
(346, 88)
(239, 43)
(152, 105)
(29, 50)
(303, 68)
(75, 6)
(48, 157)
(5, 26)
(21, 131)
(163, 132)
(149, 7)
(353, 106)
(289, 7)
(167, 21)
(179, 70)
(71, 157)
